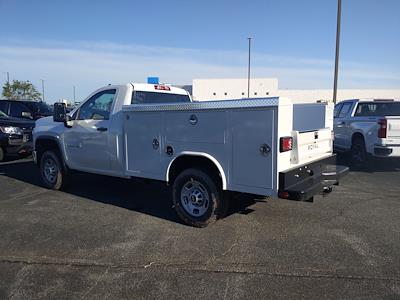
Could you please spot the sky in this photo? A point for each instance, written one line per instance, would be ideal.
(89, 44)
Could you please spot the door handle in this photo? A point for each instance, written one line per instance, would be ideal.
(101, 129)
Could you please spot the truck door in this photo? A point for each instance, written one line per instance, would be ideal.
(87, 141)
(341, 126)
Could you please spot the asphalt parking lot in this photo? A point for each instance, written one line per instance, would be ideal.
(111, 238)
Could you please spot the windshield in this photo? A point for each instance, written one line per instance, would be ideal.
(44, 108)
(39, 107)
(3, 115)
(374, 109)
(140, 97)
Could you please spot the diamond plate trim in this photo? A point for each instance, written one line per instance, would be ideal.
(224, 104)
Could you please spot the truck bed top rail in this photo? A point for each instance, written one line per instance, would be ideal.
(210, 105)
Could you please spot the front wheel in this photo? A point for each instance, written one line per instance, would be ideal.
(197, 198)
(52, 171)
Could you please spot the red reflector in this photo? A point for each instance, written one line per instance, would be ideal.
(162, 87)
(286, 144)
(284, 195)
(382, 128)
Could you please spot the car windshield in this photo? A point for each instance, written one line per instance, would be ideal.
(3, 115)
(39, 107)
(44, 108)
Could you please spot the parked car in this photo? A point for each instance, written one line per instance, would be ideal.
(367, 127)
(15, 135)
(202, 149)
(26, 109)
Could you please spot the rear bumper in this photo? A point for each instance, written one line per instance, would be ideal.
(387, 150)
(303, 182)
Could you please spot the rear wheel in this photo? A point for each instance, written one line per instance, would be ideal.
(52, 171)
(197, 198)
(358, 151)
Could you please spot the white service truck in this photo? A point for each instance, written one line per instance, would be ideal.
(201, 149)
(368, 127)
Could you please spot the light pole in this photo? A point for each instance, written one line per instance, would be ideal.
(339, 12)
(8, 76)
(74, 94)
(248, 70)
(42, 89)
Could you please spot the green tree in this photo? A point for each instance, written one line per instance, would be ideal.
(21, 90)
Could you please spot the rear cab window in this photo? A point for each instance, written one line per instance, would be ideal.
(147, 97)
(376, 109)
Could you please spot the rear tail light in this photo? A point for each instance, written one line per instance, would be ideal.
(283, 194)
(286, 144)
(382, 128)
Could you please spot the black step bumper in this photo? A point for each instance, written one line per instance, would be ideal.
(302, 183)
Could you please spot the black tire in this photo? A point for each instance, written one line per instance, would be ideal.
(358, 152)
(58, 178)
(1, 154)
(210, 204)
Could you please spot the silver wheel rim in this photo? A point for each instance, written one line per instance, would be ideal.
(194, 198)
(50, 170)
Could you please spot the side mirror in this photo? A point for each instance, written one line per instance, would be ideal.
(26, 114)
(60, 112)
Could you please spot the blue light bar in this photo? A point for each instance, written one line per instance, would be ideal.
(153, 80)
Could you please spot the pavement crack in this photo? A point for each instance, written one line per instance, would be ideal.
(230, 249)
(148, 265)
(226, 289)
(228, 268)
(100, 277)
(22, 196)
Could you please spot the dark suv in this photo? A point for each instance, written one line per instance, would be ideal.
(26, 109)
(15, 135)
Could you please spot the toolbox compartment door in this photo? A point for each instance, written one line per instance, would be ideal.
(252, 132)
(144, 145)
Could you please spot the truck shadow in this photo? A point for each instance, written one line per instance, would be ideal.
(372, 165)
(145, 196)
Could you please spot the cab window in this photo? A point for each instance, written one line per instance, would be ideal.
(345, 110)
(337, 110)
(98, 107)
